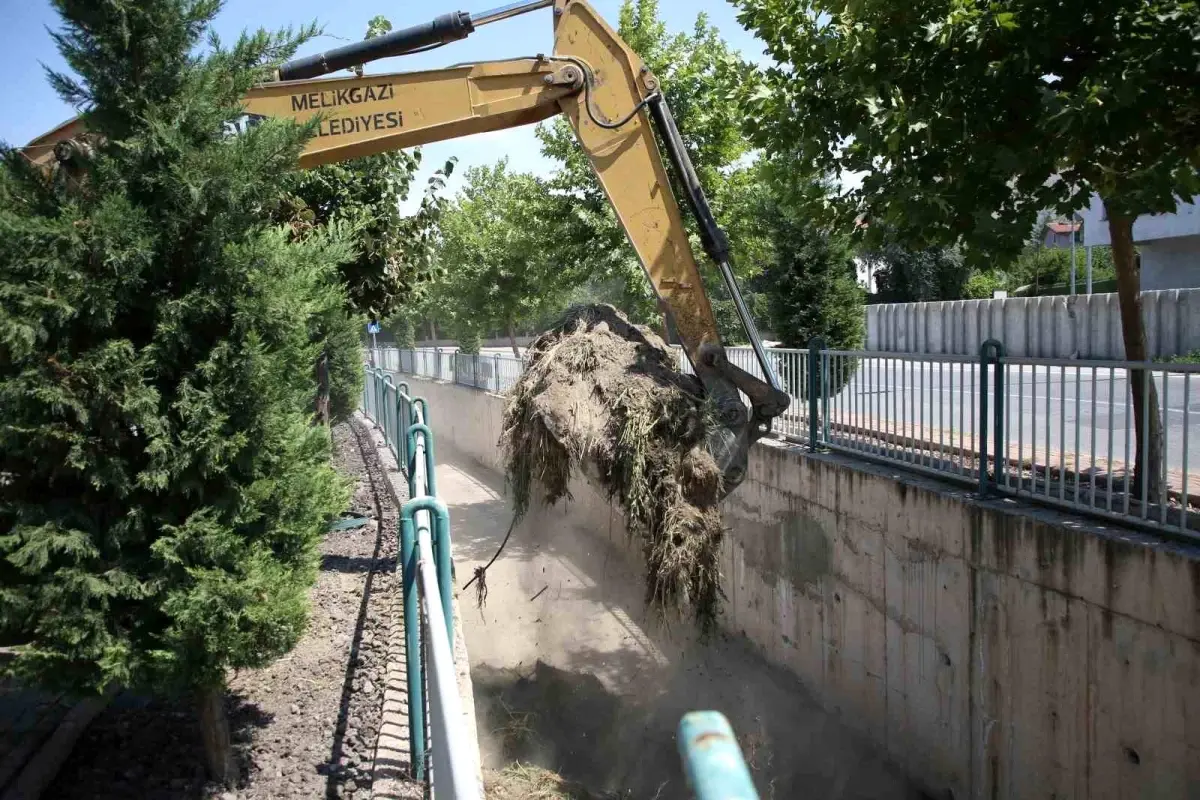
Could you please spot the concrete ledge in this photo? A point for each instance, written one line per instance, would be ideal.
(991, 649)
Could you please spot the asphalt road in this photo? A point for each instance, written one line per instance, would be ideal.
(1083, 412)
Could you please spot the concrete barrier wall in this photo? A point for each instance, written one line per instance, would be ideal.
(991, 651)
(1079, 326)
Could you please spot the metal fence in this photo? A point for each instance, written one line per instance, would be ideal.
(1057, 431)
(441, 752)
(1068, 437)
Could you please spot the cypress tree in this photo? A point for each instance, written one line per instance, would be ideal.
(162, 491)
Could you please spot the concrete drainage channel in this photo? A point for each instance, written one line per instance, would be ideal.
(578, 686)
(579, 690)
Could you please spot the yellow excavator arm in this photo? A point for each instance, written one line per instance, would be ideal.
(610, 98)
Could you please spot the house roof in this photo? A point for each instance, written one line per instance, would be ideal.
(1062, 226)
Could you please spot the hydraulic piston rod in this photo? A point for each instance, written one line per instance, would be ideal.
(510, 10)
(441, 30)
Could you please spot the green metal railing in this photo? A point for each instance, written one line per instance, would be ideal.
(1057, 432)
(427, 571)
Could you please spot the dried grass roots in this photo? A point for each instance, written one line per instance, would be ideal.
(604, 395)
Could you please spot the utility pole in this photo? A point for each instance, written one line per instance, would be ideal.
(1089, 268)
(1073, 232)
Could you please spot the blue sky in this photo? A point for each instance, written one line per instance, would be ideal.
(28, 107)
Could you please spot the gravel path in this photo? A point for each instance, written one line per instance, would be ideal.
(306, 725)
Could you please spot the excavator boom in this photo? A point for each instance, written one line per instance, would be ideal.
(610, 98)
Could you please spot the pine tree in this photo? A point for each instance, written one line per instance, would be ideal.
(812, 291)
(162, 492)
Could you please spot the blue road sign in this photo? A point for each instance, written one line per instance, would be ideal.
(373, 327)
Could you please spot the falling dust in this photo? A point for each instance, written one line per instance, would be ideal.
(603, 396)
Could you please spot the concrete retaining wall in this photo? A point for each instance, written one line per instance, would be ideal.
(991, 651)
(1079, 326)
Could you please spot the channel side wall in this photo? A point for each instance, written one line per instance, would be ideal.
(992, 650)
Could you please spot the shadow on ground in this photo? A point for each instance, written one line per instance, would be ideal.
(150, 748)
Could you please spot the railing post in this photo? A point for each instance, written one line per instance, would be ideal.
(412, 642)
(389, 433)
(444, 562)
(378, 393)
(825, 392)
(496, 370)
(1000, 439)
(815, 345)
(712, 760)
(404, 417)
(424, 410)
(430, 476)
(990, 353)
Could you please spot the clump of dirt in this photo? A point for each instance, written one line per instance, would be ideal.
(603, 395)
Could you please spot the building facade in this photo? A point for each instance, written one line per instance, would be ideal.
(1169, 244)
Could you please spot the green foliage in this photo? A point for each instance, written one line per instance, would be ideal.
(343, 348)
(1190, 357)
(497, 253)
(982, 285)
(378, 26)
(162, 492)
(698, 73)
(1039, 267)
(813, 288)
(470, 340)
(402, 327)
(812, 291)
(728, 322)
(968, 117)
(395, 252)
(907, 276)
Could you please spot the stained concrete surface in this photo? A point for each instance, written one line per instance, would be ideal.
(573, 673)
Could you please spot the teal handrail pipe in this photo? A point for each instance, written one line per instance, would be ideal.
(412, 639)
(413, 455)
(421, 404)
(412, 622)
(389, 420)
(712, 760)
(436, 733)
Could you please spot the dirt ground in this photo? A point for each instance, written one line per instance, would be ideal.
(304, 726)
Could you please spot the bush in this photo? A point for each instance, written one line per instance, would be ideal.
(812, 291)
(401, 326)
(344, 349)
(983, 285)
(470, 340)
(162, 491)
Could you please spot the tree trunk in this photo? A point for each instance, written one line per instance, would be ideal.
(512, 342)
(214, 728)
(432, 331)
(1148, 459)
(323, 387)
